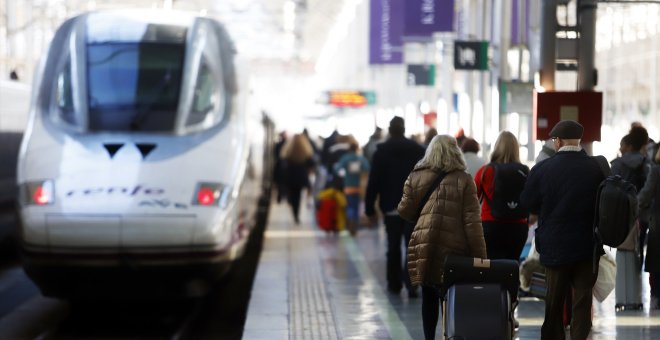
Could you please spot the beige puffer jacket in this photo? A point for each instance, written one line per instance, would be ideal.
(450, 222)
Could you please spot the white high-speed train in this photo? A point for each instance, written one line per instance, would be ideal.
(141, 154)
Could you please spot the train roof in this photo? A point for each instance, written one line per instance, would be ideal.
(137, 26)
(130, 26)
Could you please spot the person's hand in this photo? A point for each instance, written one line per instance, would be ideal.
(533, 218)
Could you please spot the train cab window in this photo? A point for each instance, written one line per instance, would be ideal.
(64, 95)
(133, 86)
(206, 101)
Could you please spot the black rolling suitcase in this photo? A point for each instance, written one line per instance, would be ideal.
(479, 298)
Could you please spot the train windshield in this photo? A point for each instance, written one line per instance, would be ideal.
(134, 86)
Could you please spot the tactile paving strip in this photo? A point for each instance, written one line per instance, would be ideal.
(309, 306)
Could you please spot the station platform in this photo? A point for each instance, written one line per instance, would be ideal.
(311, 285)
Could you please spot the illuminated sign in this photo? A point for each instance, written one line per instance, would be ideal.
(471, 55)
(349, 98)
(421, 75)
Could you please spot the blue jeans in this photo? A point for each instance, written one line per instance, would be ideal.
(353, 207)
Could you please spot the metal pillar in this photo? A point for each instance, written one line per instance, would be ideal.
(492, 125)
(484, 94)
(447, 69)
(587, 48)
(505, 39)
(586, 14)
(469, 88)
(548, 43)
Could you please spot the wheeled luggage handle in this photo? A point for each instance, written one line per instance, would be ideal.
(464, 269)
(481, 263)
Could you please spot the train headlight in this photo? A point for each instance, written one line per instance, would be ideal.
(211, 194)
(38, 192)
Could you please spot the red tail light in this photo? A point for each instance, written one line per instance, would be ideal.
(41, 196)
(206, 196)
(38, 192)
(211, 194)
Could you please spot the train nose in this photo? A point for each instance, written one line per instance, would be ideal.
(144, 148)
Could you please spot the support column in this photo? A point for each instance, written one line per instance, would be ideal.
(474, 76)
(587, 47)
(548, 43)
(505, 39)
(654, 83)
(492, 117)
(485, 9)
(586, 14)
(447, 69)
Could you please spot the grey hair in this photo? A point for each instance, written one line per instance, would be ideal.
(443, 153)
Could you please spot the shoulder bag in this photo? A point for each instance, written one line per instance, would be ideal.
(428, 193)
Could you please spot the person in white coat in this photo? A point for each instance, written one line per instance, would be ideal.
(470, 148)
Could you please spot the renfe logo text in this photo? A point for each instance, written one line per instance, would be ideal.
(128, 191)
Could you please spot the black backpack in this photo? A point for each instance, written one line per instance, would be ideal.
(616, 208)
(509, 181)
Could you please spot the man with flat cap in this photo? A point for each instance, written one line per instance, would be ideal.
(560, 193)
(392, 162)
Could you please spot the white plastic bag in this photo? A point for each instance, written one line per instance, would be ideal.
(606, 277)
(530, 265)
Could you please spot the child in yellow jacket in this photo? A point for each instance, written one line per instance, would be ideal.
(331, 208)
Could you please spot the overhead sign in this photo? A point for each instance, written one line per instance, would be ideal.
(471, 55)
(424, 17)
(421, 75)
(348, 98)
(386, 32)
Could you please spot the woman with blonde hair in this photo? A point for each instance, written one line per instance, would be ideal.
(442, 198)
(298, 155)
(499, 185)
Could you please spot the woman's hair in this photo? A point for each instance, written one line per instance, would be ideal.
(638, 137)
(297, 149)
(625, 145)
(470, 145)
(506, 150)
(443, 153)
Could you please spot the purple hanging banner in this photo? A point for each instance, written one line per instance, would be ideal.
(423, 17)
(515, 23)
(385, 32)
(519, 28)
